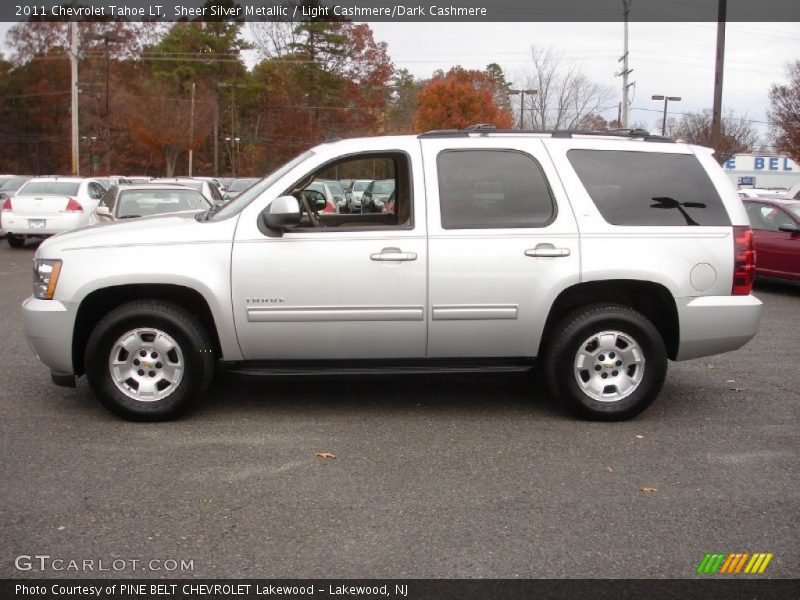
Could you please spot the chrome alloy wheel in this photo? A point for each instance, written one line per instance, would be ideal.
(609, 366)
(146, 364)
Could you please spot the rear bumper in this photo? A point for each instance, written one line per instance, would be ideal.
(48, 327)
(716, 324)
(54, 223)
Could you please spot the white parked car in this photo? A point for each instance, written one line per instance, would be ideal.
(44, 206)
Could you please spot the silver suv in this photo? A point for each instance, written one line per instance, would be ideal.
(601, 256)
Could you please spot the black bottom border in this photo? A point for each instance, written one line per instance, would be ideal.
(407, 589)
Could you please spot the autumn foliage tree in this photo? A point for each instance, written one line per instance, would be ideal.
(784, 114)
(460, 98)
(161, 122)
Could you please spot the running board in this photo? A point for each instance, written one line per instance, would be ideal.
(382, 367)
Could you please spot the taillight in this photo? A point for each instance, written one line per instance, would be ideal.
(73, 206)
(7, 205)
(744, 261)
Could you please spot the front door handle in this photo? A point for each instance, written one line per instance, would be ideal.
(393, 255)
(547, 251)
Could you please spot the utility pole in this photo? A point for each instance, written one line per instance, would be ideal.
(625, 70)
(191, 132)
(716, 120)
(108, 36)
(73, 63)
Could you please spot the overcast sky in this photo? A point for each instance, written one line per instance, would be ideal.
(675, 59)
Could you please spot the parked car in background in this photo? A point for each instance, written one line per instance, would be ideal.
(776, 236)
(376, 196)
(354, 194)
(44, 206)
(333, 192)
(762, 193)
(225, 183)
(137, 179)
(143, 200)
(237, 186)
(205, 186)
(9, 184)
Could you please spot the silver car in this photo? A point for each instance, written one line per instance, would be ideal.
(599, 256)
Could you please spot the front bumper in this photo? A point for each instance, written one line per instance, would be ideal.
(48, 326)
(716, 324)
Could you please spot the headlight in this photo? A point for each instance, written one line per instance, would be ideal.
(45, 278)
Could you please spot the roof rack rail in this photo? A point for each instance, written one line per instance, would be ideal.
(486, 128)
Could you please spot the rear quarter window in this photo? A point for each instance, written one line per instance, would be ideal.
(481, 189)
(649, 188)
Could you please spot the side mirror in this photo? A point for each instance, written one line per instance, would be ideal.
(789, 228)
(103, 211)
(282, 213)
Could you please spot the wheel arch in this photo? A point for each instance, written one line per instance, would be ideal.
(101, 301)
(651, 299)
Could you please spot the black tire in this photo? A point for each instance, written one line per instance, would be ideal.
(562, 372)
(190, 338)
(15, 241)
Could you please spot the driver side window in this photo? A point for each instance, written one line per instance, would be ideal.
(382, 200)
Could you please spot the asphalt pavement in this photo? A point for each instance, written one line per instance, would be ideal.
(433, 477)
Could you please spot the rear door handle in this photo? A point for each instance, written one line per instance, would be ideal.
(547, 251)
(393, 255)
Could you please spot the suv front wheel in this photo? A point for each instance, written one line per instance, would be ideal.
(149, 360)
(606, 362)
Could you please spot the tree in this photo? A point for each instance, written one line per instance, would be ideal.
(564, 94)
(459, 99)
(402, 102)
(161, 123)
(784, 114)
(737, 133)
(320, 79)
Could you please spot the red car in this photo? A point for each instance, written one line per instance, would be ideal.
(776, 235)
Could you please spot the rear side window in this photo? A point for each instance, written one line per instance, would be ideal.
(481, 189)
(649, 188)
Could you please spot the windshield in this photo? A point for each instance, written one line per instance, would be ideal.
(240, 185)
(234, 206)
(52, 188)
(383, 187)
(794, 208)
(336, 188)
(360, 186)
(142, 203)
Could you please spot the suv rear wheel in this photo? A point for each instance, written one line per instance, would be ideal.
(149, 360)
(606, 362)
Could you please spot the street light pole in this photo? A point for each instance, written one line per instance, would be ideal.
(666, 100)
(521, 94)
